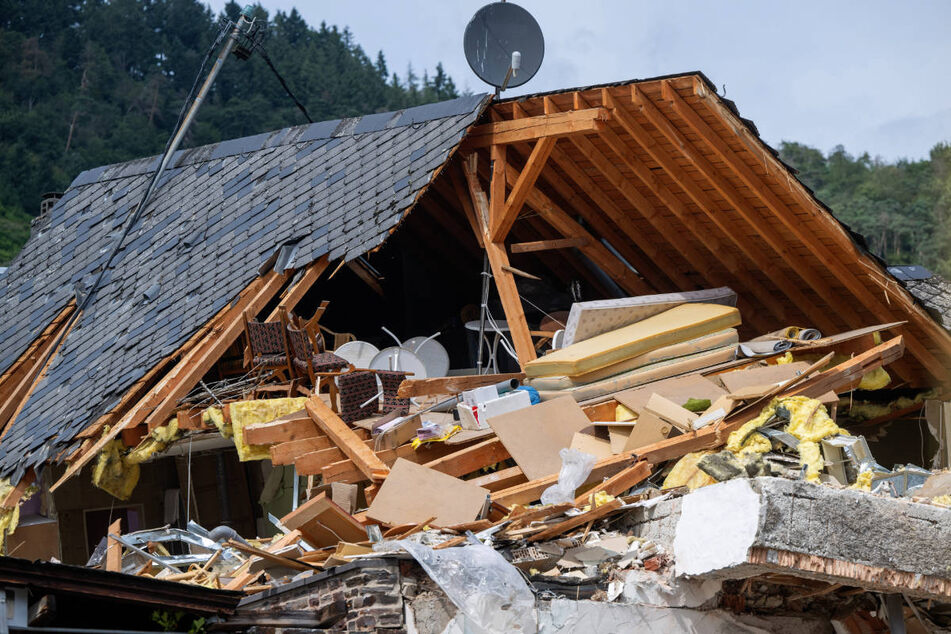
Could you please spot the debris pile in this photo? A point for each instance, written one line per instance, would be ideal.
(669, 403)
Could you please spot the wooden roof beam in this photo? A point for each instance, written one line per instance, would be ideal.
(535, 128)
(560, 220)
(650, 272)
(749, 248)
(498, 258)
(794, 225)
(704, 264)
(548, 245)
(522, 187)
(711, 241)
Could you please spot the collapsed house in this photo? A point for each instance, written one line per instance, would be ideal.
(647, 252)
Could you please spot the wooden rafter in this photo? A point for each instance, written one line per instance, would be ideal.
(735, 231)
(292, 296)
(706, 260)
(548, 245)
(830, 259)
(713, 242)
(18, 383)
(521, 188)
(561, 221)
(162, 399)
(498, 258)
(534, 128)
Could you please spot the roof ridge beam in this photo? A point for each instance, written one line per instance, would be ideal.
(537, 127)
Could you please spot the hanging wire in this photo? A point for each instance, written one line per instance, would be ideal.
(259, 47)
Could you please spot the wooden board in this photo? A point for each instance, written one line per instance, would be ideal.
(591, 444)
(346, 439)
(534, 435)
(452, 384)
(412, 494)
(323, 523)
(765, 375)
(678, 389)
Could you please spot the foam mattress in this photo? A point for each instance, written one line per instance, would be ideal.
(679, 324)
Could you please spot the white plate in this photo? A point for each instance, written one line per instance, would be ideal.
(359, 353)
(404, 360)
(432, 354)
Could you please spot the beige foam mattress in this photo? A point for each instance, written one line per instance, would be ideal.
(679, 324)
(646, 374)
(700, 344)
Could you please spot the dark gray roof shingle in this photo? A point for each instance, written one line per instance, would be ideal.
(333, 187)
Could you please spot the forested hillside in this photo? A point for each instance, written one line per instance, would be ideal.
(903, 209)
(94, 82)
(88, 83)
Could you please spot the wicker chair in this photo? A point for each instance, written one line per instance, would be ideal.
(310, 364)
(268, 347)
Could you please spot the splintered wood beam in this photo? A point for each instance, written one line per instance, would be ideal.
(458, 180)
(522, 188)
(750, 248)
(346, 439)
(498, 258)
(452, 384)
(292, 296)
(162, 399)
(32, 368)
(548, 245)
(470, 459)
(534, 128)
(794, 225)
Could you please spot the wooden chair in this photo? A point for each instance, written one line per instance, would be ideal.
(268, 347)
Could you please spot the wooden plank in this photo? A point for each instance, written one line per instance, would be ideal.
(324, 523)
(114, 548)
(716, 252)
(243, 577)
(452, 384)
(498, 258)
(292, 296)
(729, 226)
(345, 438)
(33, 371)
(501, 479)
(288, 452)
(12, 499)
(461, 191)
(521, 188)
(311, 463)
(578, 520)
(532, 128)
(283, 430)
(832, 259)
(619, 482)
(346, 471)
(471, 459)
(548, 245)
(164, 396)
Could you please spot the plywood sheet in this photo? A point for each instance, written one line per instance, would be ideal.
(678, 389)
(413, 493)
(765, 375)
(535, 435)
(591, 444)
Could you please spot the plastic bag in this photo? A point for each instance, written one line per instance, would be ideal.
(486, 588)
(575, 468)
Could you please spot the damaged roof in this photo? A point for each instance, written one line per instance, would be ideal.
(335, 188)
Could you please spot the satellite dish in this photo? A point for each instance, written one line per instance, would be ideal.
(504, 45)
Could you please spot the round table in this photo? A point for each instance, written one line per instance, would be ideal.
(491, 346)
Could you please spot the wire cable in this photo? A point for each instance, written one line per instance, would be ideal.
(267, 59)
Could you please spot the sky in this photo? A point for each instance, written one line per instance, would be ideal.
(871, 75)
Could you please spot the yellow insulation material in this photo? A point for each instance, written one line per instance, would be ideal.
(875, 380)
(214, 416)
(942, 500)
(685, 473)
(10, 518)
(156, 441)
(244, 413)
(808, 421)
(863, 482)
(113, 473)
